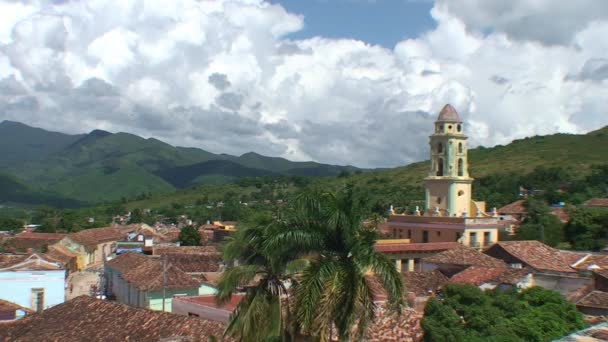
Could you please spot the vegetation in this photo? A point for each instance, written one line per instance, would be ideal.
(466, 313)
(189, 236)
(587, 229)
(540, 224)
(321, 248)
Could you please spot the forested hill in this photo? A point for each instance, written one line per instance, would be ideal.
(103, 166)
(569, 167)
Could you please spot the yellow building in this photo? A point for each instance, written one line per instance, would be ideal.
(450, 214)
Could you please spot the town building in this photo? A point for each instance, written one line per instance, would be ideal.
(88, 319)
(450, 214)
(147, 282)
(206, 307)
(94, 246)
(31, 281)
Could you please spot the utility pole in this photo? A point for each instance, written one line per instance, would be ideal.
(164, 261)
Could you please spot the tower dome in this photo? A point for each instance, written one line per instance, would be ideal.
(448, 114)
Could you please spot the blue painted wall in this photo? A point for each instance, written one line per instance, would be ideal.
(17, 287)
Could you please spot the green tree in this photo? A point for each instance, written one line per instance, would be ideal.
(587, 228)
(261, 315)
(334, 290)
(466, 313)
(189, 236)
(11, 224)
(540, 224)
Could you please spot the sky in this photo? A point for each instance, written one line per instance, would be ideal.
(356, 82)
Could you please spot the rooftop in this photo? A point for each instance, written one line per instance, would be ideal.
(538, 255)
(597, 202)
(464, 256)
(211, 301)
(87, 319)
(6, 306)
(392, 327)
(448, 114)
(421, 283)
(595, 299)
(515, 208)
(94, 236)
(477, 275)
(415, 247)
(27, 262)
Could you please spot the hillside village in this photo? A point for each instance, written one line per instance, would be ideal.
(102, 283)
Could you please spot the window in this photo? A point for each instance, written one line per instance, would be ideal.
(38, 299)
(450, 127)
(438, 200)
(459, 147)
(459, 128)
(409, 233)
(461, 192)
(440, 148)
(473, 239)
(425, 236)
(440, 167)
(438, 233)
(460, 167)
(458, 236)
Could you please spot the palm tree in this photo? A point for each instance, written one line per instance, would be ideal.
(334, 289)
(262, 314)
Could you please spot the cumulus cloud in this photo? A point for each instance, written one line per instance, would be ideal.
(225, 76)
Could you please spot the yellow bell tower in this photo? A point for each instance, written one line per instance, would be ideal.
(448, 185)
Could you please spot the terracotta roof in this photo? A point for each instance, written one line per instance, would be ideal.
(87, 319)
(26, 240)
(510, 276)
(24, 262)
(196, 263)
(6, 306)
(210, 249)
(517, 208)
(212, 302)
(597, 202)
(448, 114)
(421, 283)
(94, 236)
(464, 256)
(389, 326)
(601, 272)
(590, 261)
(146, 273)
(538, 255)
(415, 247)
(60, 253)
(595, 299)
(477, 275)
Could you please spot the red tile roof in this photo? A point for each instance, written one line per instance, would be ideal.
(595, 299)
(94, 236)
(146, 273)
(196, 263)
(538, 256)
(590, 261)
(24, 262)
(422, 283)
(464, 256)
(477, 275)
(87, 319)
(510, 276)
(597, 202)
(24, 241)
(392, 327)
(415, 247)
(448, 114)
(210, 249)
(212, 302)
(515, 208)
(61, 254)
(6, 306)
(41, 236)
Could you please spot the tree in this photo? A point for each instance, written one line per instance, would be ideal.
(587, 228)
(540, 224)
(189, 236)
(333, 290)
(466, 313)
(11, 224)
(263, 314)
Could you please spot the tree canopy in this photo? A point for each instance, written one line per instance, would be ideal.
(190, 236)
(466, 313)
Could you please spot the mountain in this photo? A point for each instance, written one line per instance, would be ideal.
(102, 166)
(13, 191)
(493, 168)
(20, 143)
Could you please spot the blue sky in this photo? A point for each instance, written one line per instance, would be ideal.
(383, 22)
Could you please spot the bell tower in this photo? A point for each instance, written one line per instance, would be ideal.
(448, 185)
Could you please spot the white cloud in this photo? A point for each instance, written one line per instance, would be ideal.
(224, 76)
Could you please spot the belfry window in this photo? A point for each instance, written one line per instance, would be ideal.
(460, 167)
(440, 148)
(459, 147)
(440, 167)
(459, 128)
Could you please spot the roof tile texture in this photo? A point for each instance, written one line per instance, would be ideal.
(464, 256)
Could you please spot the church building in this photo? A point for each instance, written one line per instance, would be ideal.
(450, 214)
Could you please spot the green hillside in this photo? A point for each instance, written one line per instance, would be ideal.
(537, 162)
(103, 166)
(15, 192)
(20, 143)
